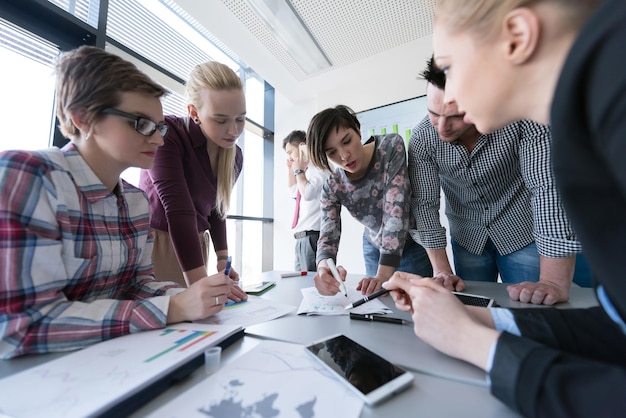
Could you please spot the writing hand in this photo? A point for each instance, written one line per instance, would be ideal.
(203, 298)
(325, 282)
(237, 294)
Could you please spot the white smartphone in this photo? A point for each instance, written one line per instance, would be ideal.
(369, 375)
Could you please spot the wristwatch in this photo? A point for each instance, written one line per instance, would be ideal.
(297, 171)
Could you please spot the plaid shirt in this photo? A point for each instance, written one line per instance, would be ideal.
(503, 190)
(75, 259)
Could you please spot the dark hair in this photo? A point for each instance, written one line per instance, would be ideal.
(89, 79)
(295, 138)
(321, 127)
(434, 75)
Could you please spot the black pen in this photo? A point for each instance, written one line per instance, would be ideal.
(367, 298)
(377, 318)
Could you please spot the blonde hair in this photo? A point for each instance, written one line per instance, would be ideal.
(483, 17)
(90, 79)
(214, 75)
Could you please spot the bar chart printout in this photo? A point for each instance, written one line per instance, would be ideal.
(89, 381)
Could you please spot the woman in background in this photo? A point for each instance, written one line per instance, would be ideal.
(558, 62)
(371, 181)
(190, 184)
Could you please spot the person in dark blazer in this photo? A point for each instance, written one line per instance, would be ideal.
(553, 62)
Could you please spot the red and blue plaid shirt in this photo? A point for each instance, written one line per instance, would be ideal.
(75, 259)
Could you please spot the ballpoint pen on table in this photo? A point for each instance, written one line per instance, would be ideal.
(367, 298)
(378, 318)
(335, 272)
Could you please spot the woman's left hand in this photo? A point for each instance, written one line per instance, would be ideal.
(369, 285)
(236, 293)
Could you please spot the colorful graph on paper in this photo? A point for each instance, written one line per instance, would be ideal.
(188, 339)
(87, 382)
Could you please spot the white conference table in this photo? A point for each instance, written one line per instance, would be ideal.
(443, 387)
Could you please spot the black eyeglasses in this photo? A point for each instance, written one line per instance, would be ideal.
(143, 125)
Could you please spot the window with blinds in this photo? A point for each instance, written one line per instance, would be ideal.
(85, 10)
(27, 86)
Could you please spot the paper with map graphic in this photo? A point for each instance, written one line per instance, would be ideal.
(315, 304)
(274, 379)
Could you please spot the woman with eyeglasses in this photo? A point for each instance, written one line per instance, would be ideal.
(75, 243)
(190, 184)
(557, 62)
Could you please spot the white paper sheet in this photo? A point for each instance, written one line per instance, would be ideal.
(254, 311)
(274, 379)
(315, 304)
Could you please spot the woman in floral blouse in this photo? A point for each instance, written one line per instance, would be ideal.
(371, 181)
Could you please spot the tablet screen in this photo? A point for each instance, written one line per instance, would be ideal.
(363, 369)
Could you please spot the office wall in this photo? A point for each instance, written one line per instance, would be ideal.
(387, 78)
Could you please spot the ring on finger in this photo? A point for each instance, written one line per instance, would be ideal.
(217, 300)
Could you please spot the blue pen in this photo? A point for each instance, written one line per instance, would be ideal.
(228, 263)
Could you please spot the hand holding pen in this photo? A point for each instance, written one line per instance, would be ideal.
(221, 265)
(367, 298)
(328, 282)
(335, 273)
(229, 262)
(236, 293)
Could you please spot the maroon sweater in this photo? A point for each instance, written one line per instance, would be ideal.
(182, 192)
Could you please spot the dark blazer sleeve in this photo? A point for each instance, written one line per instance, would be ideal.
(572, 362)
(568, 363)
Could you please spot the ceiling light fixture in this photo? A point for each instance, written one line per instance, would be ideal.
(283, 21)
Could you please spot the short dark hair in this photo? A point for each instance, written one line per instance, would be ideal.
(89, 79)
(320, 128)
(434, 75)
(294, 138)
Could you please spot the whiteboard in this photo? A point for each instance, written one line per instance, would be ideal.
(400, 118)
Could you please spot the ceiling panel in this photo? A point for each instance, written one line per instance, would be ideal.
(356, 35)
(348, 31)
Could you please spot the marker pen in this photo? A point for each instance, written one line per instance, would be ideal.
(294, 274)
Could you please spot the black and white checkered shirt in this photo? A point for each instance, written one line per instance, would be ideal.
(503, 190)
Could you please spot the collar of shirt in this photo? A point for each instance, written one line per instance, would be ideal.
(88, 183)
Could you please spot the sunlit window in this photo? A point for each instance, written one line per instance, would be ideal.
(27, 86)
(255, 93)
(253, 175)
(85, 10)
(156, 31)
(165, 42)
